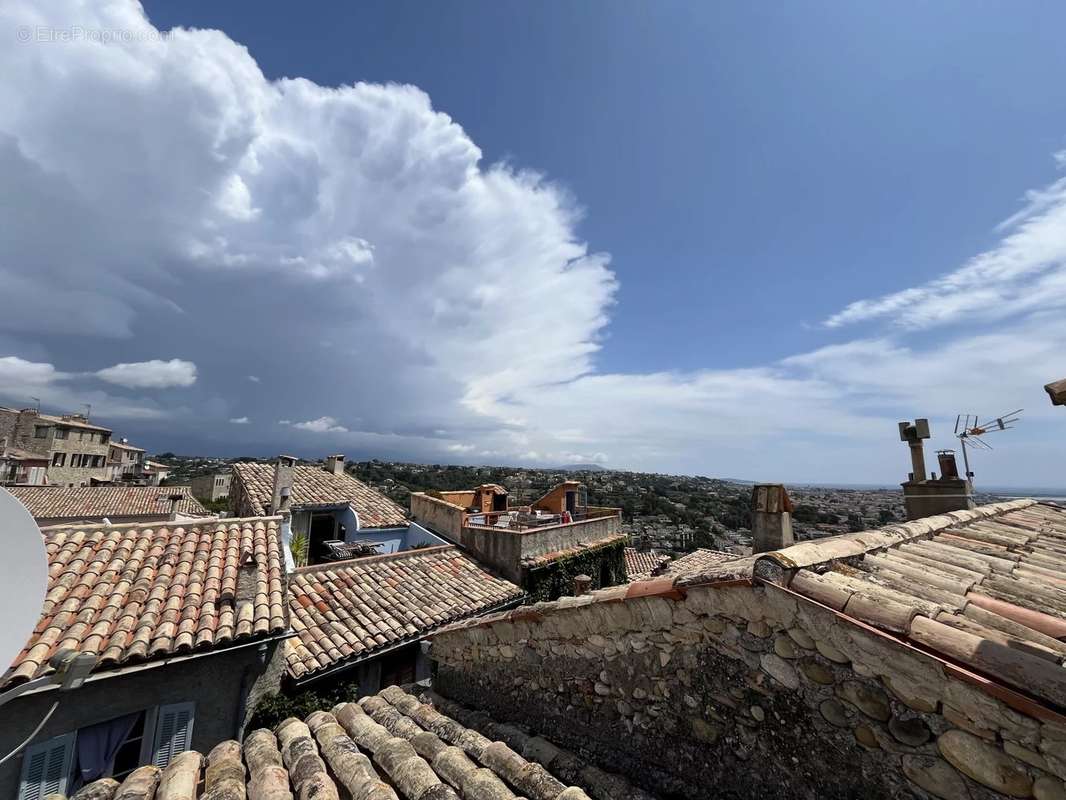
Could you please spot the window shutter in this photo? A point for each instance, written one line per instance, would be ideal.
(46, 767)
(173, 732)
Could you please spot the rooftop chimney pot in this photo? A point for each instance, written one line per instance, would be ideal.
(582, 584)
(771, 518)
(335, 464)
(284, 469)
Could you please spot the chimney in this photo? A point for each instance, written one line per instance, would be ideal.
(284, 469)
(582, 584)
(771, 518)
(913, 433)
(174, 500)
(927, 498)
(1057, 392)
(335, 464)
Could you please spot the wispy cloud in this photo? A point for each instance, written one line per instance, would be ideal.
(1024, 272)
(240, 420)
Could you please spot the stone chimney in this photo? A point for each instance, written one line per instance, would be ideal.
(924, 496)
(174, 499)
(335, 464)
(771, 518)
(284, 469)
(582, 584)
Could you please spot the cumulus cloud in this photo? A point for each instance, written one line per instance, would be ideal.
(320, 425)
(154, 374)
(240, 420)
(258, 219)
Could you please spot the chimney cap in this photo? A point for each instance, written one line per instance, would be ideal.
(286, 460)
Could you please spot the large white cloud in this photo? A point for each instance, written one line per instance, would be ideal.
(154, 374)
(343, 256)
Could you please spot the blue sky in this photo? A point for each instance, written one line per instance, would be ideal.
(740, 175)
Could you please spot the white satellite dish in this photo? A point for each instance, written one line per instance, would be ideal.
(23, 577)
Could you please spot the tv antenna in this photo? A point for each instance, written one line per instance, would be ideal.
(969, 429)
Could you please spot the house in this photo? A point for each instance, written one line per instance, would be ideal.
(77, 451)
(364, 618)
(154, 473)
(22, 467)
(59, 505)
(212, 487)
(540, 546)
(126, 461)
(185, 623)
(327, 504)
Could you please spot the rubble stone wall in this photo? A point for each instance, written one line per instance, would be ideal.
(741, 691)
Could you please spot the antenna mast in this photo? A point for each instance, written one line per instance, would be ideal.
(969, 429)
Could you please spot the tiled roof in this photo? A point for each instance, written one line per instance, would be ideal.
(388, 746)
(349, 609)
(697, 561)
(90, 502)
(126, 446)
(639, 563)
(314, 486)
(73, 423)
(986, 587)
(129, 593)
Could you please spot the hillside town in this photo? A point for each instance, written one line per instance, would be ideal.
(573, 400)
(353, 608)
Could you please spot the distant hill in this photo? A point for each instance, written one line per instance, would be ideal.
(583, 468)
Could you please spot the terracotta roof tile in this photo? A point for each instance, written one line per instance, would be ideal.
(390, 746)
(349, 608)
(90, 502)
(131, 592)
(985, 587)
(639, 564)
(697, 561)
(314, 486)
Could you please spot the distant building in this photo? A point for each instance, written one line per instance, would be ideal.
(61, 505)
(22, 467)
(328, 506)
(186, 624)
(126, 461)
(155, 473)
(528, 544)
(213, 487)
(77, 451)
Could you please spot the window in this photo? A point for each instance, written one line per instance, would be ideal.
(61, 433)
(40, 431)
(113, 748)
(46, 768)
(59, 459)
(173, 732)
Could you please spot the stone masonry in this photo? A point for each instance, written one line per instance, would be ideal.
(742, 690)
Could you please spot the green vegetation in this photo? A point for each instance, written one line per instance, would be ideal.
(273, 708)
(605, 565)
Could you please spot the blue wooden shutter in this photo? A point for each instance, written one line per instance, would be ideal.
(173, 732)
(46, 767)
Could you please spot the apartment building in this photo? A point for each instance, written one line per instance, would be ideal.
(77, 451)
(126, 461)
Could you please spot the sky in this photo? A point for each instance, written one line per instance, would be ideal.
(719, 239)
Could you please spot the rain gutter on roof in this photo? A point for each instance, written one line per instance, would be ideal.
(118, 672)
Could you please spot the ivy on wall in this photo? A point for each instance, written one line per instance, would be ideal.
(606, 566)
(273, 708)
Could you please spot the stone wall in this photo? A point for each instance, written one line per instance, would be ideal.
(750, 691)
(439, 515)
